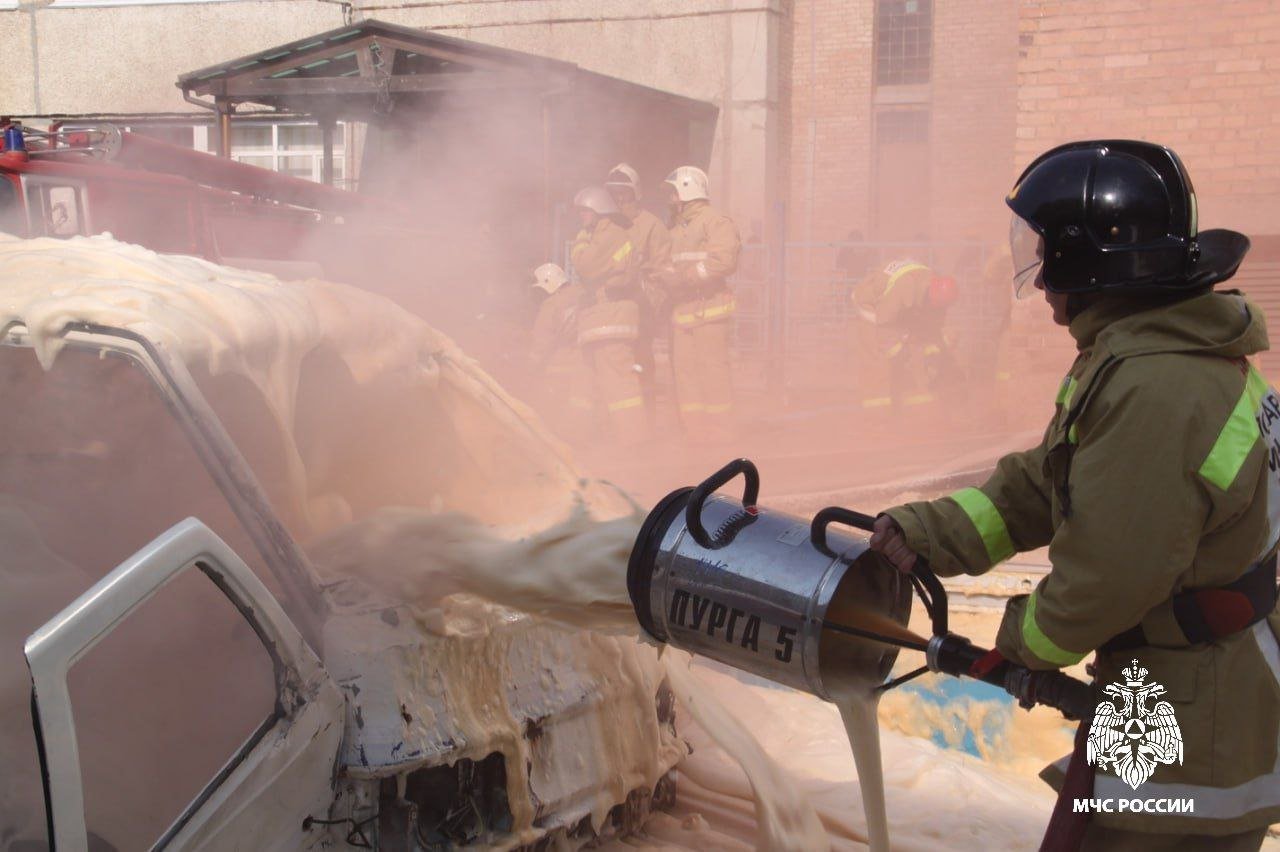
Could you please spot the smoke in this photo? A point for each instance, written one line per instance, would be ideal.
(477, 188)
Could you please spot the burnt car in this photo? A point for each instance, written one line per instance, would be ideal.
(175, 672)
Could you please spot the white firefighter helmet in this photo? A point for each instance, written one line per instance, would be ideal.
(690, 182)
(549, 277)
(623, 175)
(597, 199)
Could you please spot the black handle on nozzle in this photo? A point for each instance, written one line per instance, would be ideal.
(926, 583)
(750, 494)
(1073, 698)
(955, 655)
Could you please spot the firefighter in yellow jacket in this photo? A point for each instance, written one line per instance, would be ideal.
(609, 323)
(1157, 490)
(554, 354)
(704, 253)
(901, 301)
(651, 241)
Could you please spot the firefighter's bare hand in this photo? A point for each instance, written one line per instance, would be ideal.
(888, 540)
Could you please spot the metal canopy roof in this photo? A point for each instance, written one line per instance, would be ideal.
(370, 67)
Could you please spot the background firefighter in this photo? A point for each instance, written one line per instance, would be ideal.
(651, 241)
(554, 356)
(1152, 487)
(704, 253)
(907, 303)
(609, 322)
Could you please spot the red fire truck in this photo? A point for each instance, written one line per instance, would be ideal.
(63, 183)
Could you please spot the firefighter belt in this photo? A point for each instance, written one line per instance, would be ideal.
(717, 307)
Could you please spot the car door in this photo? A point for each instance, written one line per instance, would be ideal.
(266, 788)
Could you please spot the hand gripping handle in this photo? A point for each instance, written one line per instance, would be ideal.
(926, 583)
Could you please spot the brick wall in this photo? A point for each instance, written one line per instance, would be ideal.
(827, 96)
(1014, 77)
(1011, 78)
(974, 121)
(830, 107)
(1203, 78)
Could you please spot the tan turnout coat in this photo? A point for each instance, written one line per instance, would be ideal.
(1158, 473)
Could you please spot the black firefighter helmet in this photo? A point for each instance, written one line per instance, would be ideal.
(1114, 215)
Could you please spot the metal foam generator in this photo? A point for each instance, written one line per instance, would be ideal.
(802, 603)
(752, 587)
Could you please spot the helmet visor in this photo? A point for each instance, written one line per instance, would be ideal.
(1026, 246)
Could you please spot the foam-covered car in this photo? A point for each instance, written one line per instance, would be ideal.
(174, 670)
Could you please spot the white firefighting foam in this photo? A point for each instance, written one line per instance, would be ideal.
(573, 572)
(218, 320)
(937, 798)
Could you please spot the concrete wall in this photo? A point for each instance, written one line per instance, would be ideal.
(124, 60)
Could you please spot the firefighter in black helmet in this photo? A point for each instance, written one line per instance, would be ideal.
(1156, 491)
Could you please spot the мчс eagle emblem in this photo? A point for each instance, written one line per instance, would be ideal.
(1132, 738)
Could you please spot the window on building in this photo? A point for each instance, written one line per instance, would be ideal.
(294, 148)
(904, 41)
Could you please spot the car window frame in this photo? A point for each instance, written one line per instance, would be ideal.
(62, 641)
(231, 473)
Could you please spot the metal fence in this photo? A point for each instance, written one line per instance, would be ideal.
(795, 314)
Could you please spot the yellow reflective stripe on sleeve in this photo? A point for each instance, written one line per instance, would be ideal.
(719, 408)
(689, 255)
(623, 251)
(692, 406)
(629, 402)
(1039, 644)
(988, 521)
(1238, 435)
